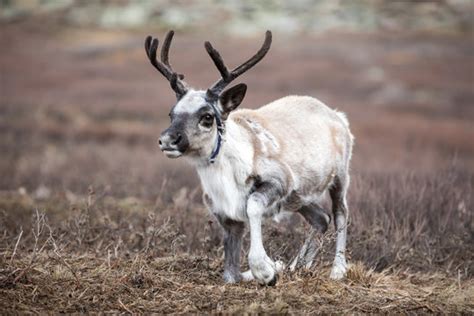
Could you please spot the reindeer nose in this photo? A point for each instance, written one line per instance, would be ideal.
(177, 139)
(170, 139)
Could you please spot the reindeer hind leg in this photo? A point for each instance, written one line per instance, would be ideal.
(319, 220)
(340, 211)
(316, 216)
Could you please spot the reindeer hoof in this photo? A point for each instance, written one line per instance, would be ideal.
(273, 281)
(279, 266)
(339, 269)
(337, 274)
(230, 278)
(247, 276)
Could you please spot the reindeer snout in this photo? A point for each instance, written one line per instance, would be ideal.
(170, 139)
(172, 142)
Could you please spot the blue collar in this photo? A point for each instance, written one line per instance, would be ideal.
(220, 134)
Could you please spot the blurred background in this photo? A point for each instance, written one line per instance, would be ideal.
(81, 105)
(81, 109)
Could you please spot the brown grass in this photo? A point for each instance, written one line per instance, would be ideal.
(107, 254)
(185, 283)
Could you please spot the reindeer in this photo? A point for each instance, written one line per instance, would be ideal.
(253, 164)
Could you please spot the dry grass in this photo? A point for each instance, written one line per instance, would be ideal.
(184, 283)
(126, 255)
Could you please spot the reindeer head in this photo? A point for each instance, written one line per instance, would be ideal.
(197, 119)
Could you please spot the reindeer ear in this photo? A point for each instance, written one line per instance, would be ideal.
(231, 98)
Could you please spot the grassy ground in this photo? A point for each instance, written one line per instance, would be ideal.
(124, 256)
(94, 218)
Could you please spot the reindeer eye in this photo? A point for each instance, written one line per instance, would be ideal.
(206, 120)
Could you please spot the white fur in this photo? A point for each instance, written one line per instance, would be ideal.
(224, 181)
(190, 102)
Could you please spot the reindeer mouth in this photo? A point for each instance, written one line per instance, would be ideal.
(172, 153)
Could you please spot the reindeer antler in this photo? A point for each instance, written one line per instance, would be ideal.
(164, 67)
(228, 77)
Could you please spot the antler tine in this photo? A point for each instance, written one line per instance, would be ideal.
(166, 48)
(217, 59)
(151, 45)
(165, 52)
(147, 45)
(164, 67)
(229, 77)
(256, 58)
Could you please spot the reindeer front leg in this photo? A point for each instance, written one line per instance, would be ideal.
(233, 232)
(262, 267)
